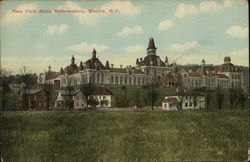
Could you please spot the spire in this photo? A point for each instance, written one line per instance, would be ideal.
(61, 70)
(73, 60)
(81, 66)
(151, 50)
(107, 65)
(94, 53)
(151, 44)
(203, 62)
(137, 61)
(166, 61)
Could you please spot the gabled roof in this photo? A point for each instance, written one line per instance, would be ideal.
(171, 100)
(194, 75)
(154, 59)
(184, 94)
(101, 91)
(94, 63)
(31, 91)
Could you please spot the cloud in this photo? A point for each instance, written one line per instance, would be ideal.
(240, 57)
(84, 18)
(12, 18)
(39, 46)
(187, 48)
(238, 32)
(127, 31)
(124, 7)
(86, 47)
(165, 25)
(184, 10)
(57, 29)
(136, 49)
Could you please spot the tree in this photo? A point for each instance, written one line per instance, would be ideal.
(232, 97)
(242, 98)
(5, 79)
(152, 95)
(208, 98)
(86, 90)
(219, 98)
(93, 102)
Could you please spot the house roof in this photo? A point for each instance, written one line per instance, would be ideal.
(221, 76)
(101, 91)
(194, 75)
(94, 63)
(31, 91)
(171, 100)
(229, 67)
(183, 94)
(156, 61)
(123, 70)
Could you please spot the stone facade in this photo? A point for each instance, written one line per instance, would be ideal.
(225, 76)
(94, 71)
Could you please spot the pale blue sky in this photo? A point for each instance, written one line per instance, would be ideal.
(190, 31)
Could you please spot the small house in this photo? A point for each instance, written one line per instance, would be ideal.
(34, 99)
(183, 101)
(103, 96)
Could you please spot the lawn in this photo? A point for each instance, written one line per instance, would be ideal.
(124, 136)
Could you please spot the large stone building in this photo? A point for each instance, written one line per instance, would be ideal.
(225, 76)
(94, 71)
(147, 70)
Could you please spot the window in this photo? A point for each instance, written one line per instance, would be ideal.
(104, 97)
(186, 104)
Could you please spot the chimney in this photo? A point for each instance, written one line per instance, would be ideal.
(112, 65)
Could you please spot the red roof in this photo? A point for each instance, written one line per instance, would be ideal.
(101, 91)
(171, 100)
(182, 94)
(154, 59)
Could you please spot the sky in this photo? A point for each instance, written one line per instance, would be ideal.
(184, 31)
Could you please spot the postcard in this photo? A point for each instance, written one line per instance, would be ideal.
(104, 81)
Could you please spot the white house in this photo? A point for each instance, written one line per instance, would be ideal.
(103, 96)
(79, 100)
(183, 101)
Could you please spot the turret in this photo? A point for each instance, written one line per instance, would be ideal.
(73, 60)
(227, 60)
(137, 62)
(94, 53)
(203, 63)
(61, 71)
(81, 66)
(49, 68)
(151, 50)
(107, 65)
(166, 61)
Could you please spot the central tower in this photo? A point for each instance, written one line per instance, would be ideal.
(151, 50)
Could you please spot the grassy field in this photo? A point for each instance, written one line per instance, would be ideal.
(120, 136)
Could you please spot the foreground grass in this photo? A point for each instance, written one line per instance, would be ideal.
(124, 136)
